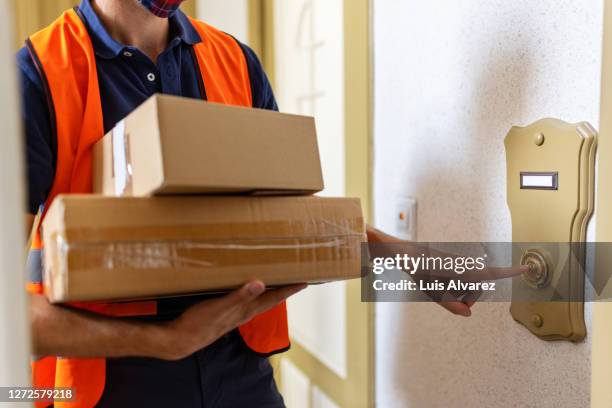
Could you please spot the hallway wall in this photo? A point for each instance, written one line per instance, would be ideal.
(231, 17)
(451, 78)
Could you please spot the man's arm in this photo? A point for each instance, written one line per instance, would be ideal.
(58, 330)
(376, 236)
(261, 89)
(458, 307)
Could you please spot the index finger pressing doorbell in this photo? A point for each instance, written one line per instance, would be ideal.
(551, 192)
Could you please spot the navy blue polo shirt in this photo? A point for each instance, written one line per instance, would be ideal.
(127, 77)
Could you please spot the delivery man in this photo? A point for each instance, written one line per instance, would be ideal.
(80, 76)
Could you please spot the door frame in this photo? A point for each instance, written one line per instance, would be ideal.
(14, 318)
(358, 389)
(601, 365)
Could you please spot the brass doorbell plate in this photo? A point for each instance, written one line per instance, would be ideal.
(551, 180)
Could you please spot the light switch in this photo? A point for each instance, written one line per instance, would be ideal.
(406, 218)
(550, 172)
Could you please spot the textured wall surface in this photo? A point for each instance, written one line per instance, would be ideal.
(451, 78)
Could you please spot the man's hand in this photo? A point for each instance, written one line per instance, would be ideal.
(61, 331)
(458, 305)
(204, 323)
(459, 308)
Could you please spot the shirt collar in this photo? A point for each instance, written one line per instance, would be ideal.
(107, 47)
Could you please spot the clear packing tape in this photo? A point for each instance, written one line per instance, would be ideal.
(78, 268)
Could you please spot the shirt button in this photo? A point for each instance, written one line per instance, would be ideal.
(151, 77)
(127, 54)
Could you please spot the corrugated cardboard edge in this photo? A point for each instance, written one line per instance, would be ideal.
(55, 281)
(102, 168)
(316, 141)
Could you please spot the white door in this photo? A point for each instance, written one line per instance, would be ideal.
(309, 76)
(324, 368)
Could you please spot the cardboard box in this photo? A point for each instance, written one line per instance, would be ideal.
(103, 248)
(172, 145)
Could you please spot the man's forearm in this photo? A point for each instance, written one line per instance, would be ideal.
(66, 332)
(376, 236)
(391, 245)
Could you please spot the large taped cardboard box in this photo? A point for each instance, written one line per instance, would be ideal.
(173, 145)
(105, 248)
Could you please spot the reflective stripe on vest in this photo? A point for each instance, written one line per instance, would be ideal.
(66, 61)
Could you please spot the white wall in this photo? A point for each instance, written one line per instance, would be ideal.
(231, 16)
(451, 78)
(14, 340)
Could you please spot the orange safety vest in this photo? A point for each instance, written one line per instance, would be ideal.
(65, 59)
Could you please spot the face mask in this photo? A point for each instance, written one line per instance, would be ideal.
(161, 8)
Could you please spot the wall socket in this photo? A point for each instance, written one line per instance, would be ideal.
(406, 218)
